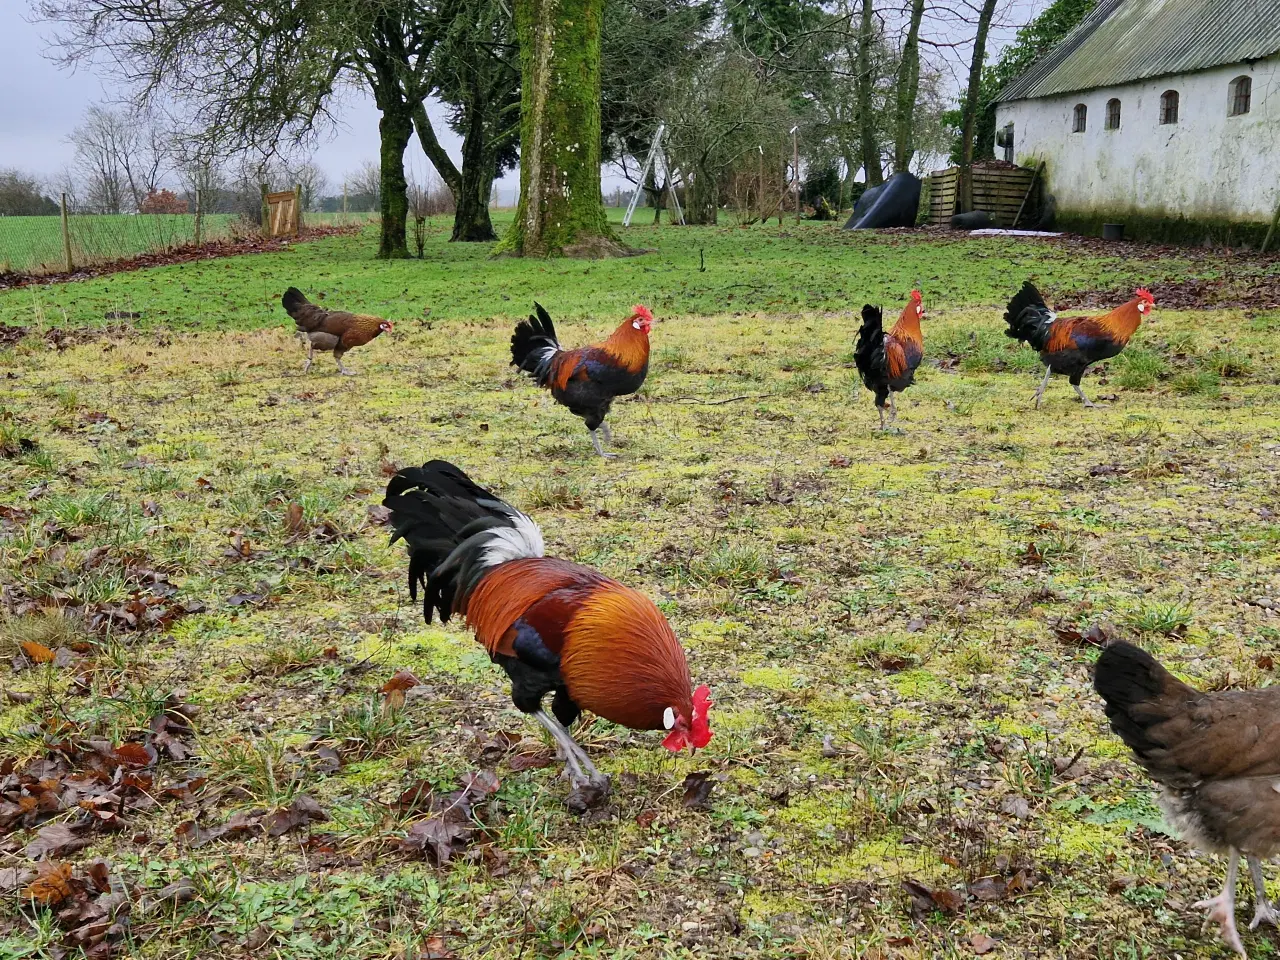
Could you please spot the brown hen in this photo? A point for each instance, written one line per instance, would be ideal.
(334, 330)
(1216, 757)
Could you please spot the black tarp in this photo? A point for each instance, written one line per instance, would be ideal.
(895, 203)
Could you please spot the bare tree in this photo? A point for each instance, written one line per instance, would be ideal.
(99, 143)
(365, 180)
(721, 113)
(969, 113)
(122, 156)
(907, 92)
(866, 87)
(310, 178)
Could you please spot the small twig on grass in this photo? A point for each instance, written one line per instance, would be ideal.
(714, 403)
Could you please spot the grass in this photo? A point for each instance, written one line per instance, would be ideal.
(877, 635)
(782, 271)
(34, 244)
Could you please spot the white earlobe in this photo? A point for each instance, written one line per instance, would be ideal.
(668, 719)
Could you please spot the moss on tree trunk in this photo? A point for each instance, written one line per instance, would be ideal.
(561, 210)
(395, 128)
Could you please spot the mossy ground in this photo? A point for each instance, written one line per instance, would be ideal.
(878, 636)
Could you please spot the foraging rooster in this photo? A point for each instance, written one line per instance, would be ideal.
(554, 626)
(588, 379)
(334, 330)
(1216, 757)
(887, 362)
(1071, 344)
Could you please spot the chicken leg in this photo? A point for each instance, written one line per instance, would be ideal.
(1222, 908)
(608, 434)
(581, 770)
(893, 408)
(1265, 912)
(345, 371)
(1044, 384)
(311, 347)
(1083, 399)
(883, 425)
(595, 442)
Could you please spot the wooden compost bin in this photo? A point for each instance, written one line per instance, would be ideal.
(999, 189)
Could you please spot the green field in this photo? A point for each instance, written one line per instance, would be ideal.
(909, 759)
(34, 244)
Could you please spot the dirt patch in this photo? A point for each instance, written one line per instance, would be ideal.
(187, 254)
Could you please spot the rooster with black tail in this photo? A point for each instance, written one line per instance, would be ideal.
(588, 379)
(1069, 345)
(887, 362)
(555, 627)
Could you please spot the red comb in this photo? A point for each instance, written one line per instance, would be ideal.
(702, 700)
(643, 312)
(915, 296)
(1142, 293)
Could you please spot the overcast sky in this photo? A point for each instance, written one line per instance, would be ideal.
(40, 103)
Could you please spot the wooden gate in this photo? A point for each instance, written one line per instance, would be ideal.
(281, 213)
(998, 188)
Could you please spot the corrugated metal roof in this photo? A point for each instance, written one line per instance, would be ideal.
(1127, 40)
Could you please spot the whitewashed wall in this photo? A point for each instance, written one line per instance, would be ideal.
(1207, 165)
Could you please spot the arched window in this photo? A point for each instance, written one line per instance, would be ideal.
(1078, 118)
(1241, 91)
(1169, 106)
(1113, 115)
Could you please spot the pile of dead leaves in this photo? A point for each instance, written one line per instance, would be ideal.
(302, 811)
(92, 785)
(92, 906)
(1004, 883)
(153, 604)
(453, 819)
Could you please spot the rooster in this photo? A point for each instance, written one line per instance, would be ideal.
(1216, 757)
(588, 379)
(555, 627)
(887, 362)
(333, 330)
(1069, 345)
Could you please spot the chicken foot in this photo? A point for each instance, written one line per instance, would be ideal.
(582, 772)
(1083, 399)
(1044, 385)
(345, 371)
(1222, 908)
(311, 347)
(595, 442)
(1265, 912)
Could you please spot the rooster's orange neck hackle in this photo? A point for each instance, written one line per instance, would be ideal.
(629, 344)
(1124, 320)
(908, 325)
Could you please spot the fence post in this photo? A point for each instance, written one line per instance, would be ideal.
(66, 236)
(199, 219)
(266, 212)
(344, 203)
(297, 209)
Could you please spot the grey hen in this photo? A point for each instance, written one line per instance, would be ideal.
(1216, 757)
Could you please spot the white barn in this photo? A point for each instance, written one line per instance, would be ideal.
(1163, 115)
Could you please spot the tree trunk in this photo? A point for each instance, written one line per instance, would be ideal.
(655, 195)
(965, 189)
(908, 87)
(561, 210)
(701, 198)
(866, 83)
(471, 223)
(395, 128)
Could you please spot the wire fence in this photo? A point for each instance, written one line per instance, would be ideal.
(40, 245)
